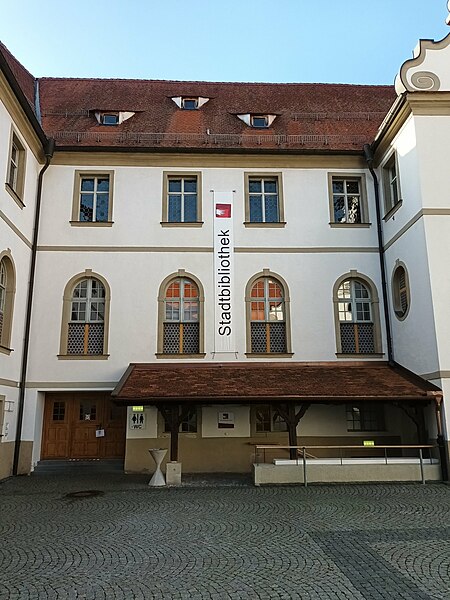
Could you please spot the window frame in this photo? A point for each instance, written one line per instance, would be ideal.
(391, 207)
(267, 274)
(375, 314)
(364, 207)
(189, 99)
(8, 302)
(254, 421)
(181, 273)
(366, 407)
(263, 117)
(167, 176)
(106, 115)
(76, 202)
(397, 291)
(66, 317)
(17, 189)
(278, 177)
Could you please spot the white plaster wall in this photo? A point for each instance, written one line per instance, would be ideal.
(421, 357)
(135, 277)
(137, 211)
(22, 219)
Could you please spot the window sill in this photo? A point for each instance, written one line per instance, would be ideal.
(269, 354)
(360, 354)
(162, 355)
(278, 224)
(352, 225)
(390, 213)
(91, 223)
(185, 434)
(5, 350)
(181, 224)
(14, 195)
(83, 356)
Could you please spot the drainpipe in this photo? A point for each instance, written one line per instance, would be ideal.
(49, 149)
(387, 320)
(443, 456)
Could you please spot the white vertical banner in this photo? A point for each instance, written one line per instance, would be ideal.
(223, 272)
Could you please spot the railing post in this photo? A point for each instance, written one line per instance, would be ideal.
(305, 478)
(385, 455)
(421, 466)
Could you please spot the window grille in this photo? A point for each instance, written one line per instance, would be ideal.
(86, 327)
(355, 318)
(267, 317)
(181, 327)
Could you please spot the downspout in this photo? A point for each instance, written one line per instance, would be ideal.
(49, 149)
(387, 320)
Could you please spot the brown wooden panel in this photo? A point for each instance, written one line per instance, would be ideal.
(71, 422)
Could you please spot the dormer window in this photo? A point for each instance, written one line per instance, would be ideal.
(259, 121)
(189, 103)
(110, 119)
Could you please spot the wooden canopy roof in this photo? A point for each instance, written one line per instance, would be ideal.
(270, 382)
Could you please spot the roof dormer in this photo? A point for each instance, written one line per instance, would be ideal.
(190, 102)
(112, 117)
(257, 120)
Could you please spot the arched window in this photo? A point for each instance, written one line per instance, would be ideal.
(85, 316)
(181, 317)
(267, 316)
(357, 317)
(7, 291)
(400, 291)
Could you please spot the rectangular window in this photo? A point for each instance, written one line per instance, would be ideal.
(365, 417)
(263, 200)
(267, 419)
(181, 198)
(348, 202)
(188, 424)
(391, 184)
(15, 177)
(92, 201)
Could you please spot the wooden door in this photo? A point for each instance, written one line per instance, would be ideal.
(71, 422)
(55, 438)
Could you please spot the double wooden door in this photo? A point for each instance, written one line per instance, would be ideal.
(83, 425)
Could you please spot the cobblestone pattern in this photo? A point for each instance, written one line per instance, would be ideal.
(216, 543)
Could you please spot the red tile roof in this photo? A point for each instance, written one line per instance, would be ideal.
(325, 117)
(310, 116)
(263, 382)
(23, 77)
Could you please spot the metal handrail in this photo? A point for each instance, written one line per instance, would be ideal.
(232, 139)
(303, 453)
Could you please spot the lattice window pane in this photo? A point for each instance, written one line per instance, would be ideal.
(256, 212)
(258, 337)
(171, 344)
(191, 338)
(1, 325)
(348, 344)
(277, 337)
(95, 338)
(75, 339)
(366, 339)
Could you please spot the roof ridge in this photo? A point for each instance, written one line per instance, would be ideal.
(253, 83)
(5, 48)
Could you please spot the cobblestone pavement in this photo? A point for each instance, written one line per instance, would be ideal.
(220, 542)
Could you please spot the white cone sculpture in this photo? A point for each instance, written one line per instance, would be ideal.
(157, 479)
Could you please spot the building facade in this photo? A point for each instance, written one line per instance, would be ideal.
(238, 264)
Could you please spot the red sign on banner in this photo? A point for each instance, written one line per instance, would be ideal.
(223, 211)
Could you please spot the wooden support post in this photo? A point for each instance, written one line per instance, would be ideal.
(292, 419)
